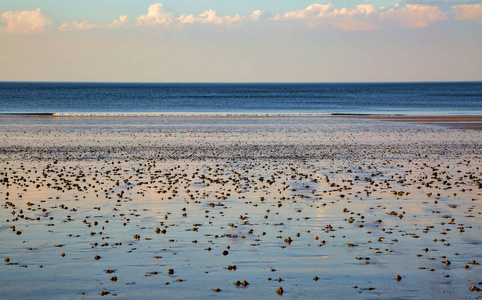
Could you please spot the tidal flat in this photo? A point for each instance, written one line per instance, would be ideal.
(352, 208)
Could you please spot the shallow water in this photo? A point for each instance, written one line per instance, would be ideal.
(330, 181)
(444, 98)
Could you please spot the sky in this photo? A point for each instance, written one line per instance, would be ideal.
(241, 40)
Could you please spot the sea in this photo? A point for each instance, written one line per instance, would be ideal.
(158, 99)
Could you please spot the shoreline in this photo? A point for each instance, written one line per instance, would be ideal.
(244, 115)
(473, 122)
(470, 122)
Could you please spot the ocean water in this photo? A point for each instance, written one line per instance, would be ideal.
(458, 98)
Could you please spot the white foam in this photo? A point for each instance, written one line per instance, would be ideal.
(189, 115)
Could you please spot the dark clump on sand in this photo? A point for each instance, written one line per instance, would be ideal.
(389, 211)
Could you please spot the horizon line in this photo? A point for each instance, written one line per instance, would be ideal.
(240, 82)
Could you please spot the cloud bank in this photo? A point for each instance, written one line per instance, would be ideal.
(84, 25)
(365, 16)
(209, 17)
(361, 18)
(319, 15)
(121, 22)
(414, 15)
(156, 15)
(24, 22)
(468, 12)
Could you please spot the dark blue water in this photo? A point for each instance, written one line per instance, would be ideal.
(183, 98)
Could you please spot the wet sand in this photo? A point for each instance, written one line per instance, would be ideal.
(239, 208)
(460, 122)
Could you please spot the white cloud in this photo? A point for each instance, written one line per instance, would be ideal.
(122, 21)
(414, 15)
(362, 17)
(209, 17)
(84, 25)
(467, 12)
(365, 16)
(156, 16)
(257, 15)
(310, 12)
(27, 21)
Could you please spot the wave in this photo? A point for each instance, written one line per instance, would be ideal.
(187, 115)
(200, 115)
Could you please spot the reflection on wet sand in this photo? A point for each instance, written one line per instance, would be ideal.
(239, 209)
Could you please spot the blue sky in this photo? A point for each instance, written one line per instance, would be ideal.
(105, 10)
(242, 40)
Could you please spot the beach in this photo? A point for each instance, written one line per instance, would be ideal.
(461, 122)
(246, 207)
